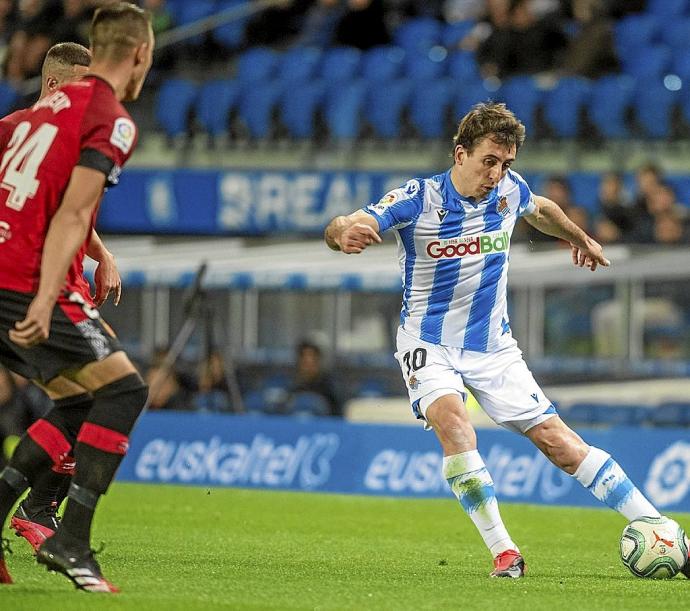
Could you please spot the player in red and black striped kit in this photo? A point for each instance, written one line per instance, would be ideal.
(53, 172)
(35, 519)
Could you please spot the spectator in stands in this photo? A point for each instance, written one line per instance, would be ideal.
(278, 25)
(213, 393)
(74, 24)
(590, 51)
(8, 25)
(528, 44)
(311, 377)
(166, 392)
(557, 188)
(363, 25)
(648, 178)
(616, 213)
(162, 20)
(669, 217)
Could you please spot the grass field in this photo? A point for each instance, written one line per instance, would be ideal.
(190, 548)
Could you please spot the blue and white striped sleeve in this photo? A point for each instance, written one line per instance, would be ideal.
(527, 205)
(398, 207)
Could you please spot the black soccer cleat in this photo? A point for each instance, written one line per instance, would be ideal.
(35, 526)
(79, 566)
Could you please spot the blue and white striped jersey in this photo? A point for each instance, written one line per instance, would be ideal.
(453, 256)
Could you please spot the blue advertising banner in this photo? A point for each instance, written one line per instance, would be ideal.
(333, 456)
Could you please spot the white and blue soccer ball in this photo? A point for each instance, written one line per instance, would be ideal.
(655, 548)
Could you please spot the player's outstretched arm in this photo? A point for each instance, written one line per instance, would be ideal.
(353, 233)
(107, 277)
(67, 231)
(549, 218)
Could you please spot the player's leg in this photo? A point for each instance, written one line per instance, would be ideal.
(595, 469)
(35, 518)
(436, 392)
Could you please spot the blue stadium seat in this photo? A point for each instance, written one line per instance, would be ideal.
(188, 12)
(680, 65)
(634, 31)
(8, 98)
(429, 108)
(619, 415)
(342, 111)
(653, 107)
(254, 402)
(257, 106)
(173, 105)
(230, 35)
(384, 106)
(307, 404)
(424, 68)
(256, 64)
(676, 34)
(216, 100)
(453, 33)
(611, 98)
(668, 9)
(685, 103)
(564, 103)
(585, 190)
(671, 414)
(340, 64)
(419, 34)
(523, 97)
(371, 387)
(582, 413)
(383, 63)
(298, 108)
(298, 64)
(469, 94)
(462, 66)
(648, 62)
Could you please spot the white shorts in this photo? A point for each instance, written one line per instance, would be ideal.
(500, 381)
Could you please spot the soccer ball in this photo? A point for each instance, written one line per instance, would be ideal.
(656, 548)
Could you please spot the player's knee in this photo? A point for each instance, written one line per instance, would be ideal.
(120, 403)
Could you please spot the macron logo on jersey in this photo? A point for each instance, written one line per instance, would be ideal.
(482, 244)
(123, 134)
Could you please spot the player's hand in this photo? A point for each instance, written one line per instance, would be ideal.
(357, 237)
(35, 328)
(107, 280)
(590, 254)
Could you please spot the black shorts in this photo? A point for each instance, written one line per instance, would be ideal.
(78, 336)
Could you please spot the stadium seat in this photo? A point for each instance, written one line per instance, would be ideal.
(298, 64)
(257, 106)
(676, 33)
(173, 104)
(523, 97)
(634, 31)
(653, 105)
(298, 108)
(256, 64)
(216, 100)
(671, 414)
(383, 63)
(342, 111)
(384, 106)
(462, 66)
(371, 387)
(667, 9)
(564, 103)
(648, 62)
(429, 108)
(230, 35)
(340, 64)
(307, 404)
(8, 98)
(254, 402)
(582, 413)
(189, 12)
(611, 98)
(424, 68)
(419, 34)
(680, 65)
(453, 33)
(467, 95)
(585, 190)
(619, 415)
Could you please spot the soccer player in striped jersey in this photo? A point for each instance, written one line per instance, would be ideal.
(453, 232)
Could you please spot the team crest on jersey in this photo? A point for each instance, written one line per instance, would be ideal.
(413, 382)
(503, 208)
(5, 232)
(123, 134)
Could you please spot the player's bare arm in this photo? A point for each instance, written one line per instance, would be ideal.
(351, 234)
(106, 277)
(67, 232)
(549, 218)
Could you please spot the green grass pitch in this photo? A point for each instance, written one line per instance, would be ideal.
(171, 547)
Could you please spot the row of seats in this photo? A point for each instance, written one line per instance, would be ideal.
(331, 89)
(605, 414)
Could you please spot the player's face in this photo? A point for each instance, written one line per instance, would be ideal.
(481, 170)
(144, 59)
